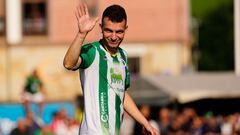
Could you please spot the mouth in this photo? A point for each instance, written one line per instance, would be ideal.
(113, 42)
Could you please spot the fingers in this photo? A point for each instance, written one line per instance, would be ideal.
(96, 19)
(79, 10)
(77, 15)
(85, 9)
(152, 131)
(82, 9)
(147, 131)
(155, 132)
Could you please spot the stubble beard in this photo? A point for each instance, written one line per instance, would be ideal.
(110, 48)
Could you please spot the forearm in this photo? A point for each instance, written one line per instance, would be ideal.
(131, 108)
(72, 58)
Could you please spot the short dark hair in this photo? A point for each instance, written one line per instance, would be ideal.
(115, 13)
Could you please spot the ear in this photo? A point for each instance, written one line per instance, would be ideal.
(126, 27)
(101, 26)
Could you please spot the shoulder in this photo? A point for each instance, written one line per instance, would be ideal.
(88, 53)
(93, 45)
(88, 46)
(123, 54)
(123, 51)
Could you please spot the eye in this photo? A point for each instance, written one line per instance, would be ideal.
(108, 31)
(119, 32)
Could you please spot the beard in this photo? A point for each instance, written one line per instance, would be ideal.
(109, 47)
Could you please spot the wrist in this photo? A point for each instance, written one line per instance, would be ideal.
(146, 124)
(81, 35)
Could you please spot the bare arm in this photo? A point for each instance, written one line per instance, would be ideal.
(72, 59)
(131, 108)
(85, 24)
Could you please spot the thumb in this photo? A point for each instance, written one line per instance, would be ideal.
(96, 19)
(146, 132)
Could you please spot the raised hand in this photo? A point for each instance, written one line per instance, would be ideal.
(85, 22)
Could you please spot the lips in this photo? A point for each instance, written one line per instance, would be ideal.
(113, 42)
(110, 42)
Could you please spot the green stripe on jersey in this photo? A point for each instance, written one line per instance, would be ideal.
(103, 91)
(88, 53)
(115, 59)
(127, 76)
(117, 104)
(118, 111)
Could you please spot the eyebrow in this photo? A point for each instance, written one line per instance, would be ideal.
(107, 29)
(119, 31)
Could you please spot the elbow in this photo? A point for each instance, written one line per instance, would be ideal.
(67, 66)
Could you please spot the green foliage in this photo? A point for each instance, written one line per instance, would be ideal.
(201, 8)
(216, 42)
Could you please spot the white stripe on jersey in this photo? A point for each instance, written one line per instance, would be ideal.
(90, 80)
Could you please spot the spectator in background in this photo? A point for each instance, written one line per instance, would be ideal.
(45, 130)
(59, 123)
(21, 129)
(176, 128)
(79, 108)
(164, 120)
(197, 126)
(33, 92)
(31, 123)
(73, 126)
(188, 114)
(212, 127)
(145, 110)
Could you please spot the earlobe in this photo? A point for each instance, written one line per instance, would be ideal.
(100, 25)
(126, 27)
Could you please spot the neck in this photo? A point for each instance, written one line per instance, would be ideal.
(112, 51)
(109, 49)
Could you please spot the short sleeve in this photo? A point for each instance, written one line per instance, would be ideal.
(87, 55)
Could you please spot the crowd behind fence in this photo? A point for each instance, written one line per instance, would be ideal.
(168, 121)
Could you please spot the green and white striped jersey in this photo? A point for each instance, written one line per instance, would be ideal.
(104, 79)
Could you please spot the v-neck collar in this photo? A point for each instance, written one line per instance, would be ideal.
(107, 52)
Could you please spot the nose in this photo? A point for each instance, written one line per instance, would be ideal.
(114, 36)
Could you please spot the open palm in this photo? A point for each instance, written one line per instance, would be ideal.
(85, 22)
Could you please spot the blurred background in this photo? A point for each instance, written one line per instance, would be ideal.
(184, 57)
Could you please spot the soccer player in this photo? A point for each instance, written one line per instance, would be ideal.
(104, 73)
(33, 92)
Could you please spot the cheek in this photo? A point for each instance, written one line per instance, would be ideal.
(106, 35)
(121, 36)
